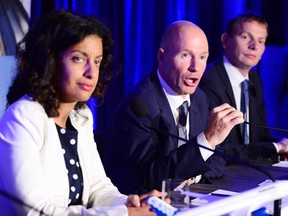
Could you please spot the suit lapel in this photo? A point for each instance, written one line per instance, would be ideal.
(253, 102)
(194, 119)
(165, 114)
(225, 82)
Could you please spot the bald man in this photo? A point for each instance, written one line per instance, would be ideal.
(140, 152)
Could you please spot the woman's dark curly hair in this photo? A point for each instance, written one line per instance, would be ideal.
(38, 56)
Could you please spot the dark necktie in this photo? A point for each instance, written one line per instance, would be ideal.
(183, 112)
(244, 109)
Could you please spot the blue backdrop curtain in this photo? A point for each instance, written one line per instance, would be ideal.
(137, 27)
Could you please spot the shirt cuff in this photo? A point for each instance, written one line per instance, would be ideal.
(276, 146)
(201, 139)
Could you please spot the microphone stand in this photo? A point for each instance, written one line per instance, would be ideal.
(266, 127)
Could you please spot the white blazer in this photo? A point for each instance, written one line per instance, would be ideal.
(32, 165)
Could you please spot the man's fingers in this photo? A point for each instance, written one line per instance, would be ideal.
(226, 114)
(233, 118)
(221, 108)
(223, 119)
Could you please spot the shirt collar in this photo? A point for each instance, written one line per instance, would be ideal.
(174, 99)
(234, 75)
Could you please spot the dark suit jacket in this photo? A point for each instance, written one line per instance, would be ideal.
(215, 82)
(139, 151)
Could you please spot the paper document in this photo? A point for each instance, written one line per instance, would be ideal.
(281, 164)
(214, 196)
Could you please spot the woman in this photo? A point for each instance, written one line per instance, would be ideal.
(49, 161)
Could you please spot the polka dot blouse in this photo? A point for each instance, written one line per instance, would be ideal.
(68, 139)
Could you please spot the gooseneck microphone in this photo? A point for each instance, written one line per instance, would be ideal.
(266, 127)
(140, 109)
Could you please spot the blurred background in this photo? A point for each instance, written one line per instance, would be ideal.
(137, 26)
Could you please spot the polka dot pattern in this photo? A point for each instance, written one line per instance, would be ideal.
(68, 139)
(72, 161)
(72, 141)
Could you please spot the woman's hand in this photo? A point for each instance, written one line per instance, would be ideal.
(137, 205)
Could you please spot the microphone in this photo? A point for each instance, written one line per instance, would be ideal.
(140, 109)
(266, 127)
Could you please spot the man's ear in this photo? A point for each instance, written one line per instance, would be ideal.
(161, 56)
(224, 40)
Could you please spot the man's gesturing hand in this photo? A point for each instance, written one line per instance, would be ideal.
(223, 118)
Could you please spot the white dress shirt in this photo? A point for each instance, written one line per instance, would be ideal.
(175, 100)
(236, 78)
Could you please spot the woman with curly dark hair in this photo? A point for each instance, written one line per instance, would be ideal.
(49, 162)
(39, 52)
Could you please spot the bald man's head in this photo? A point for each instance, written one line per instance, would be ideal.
(182, 56)
(176, 30)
